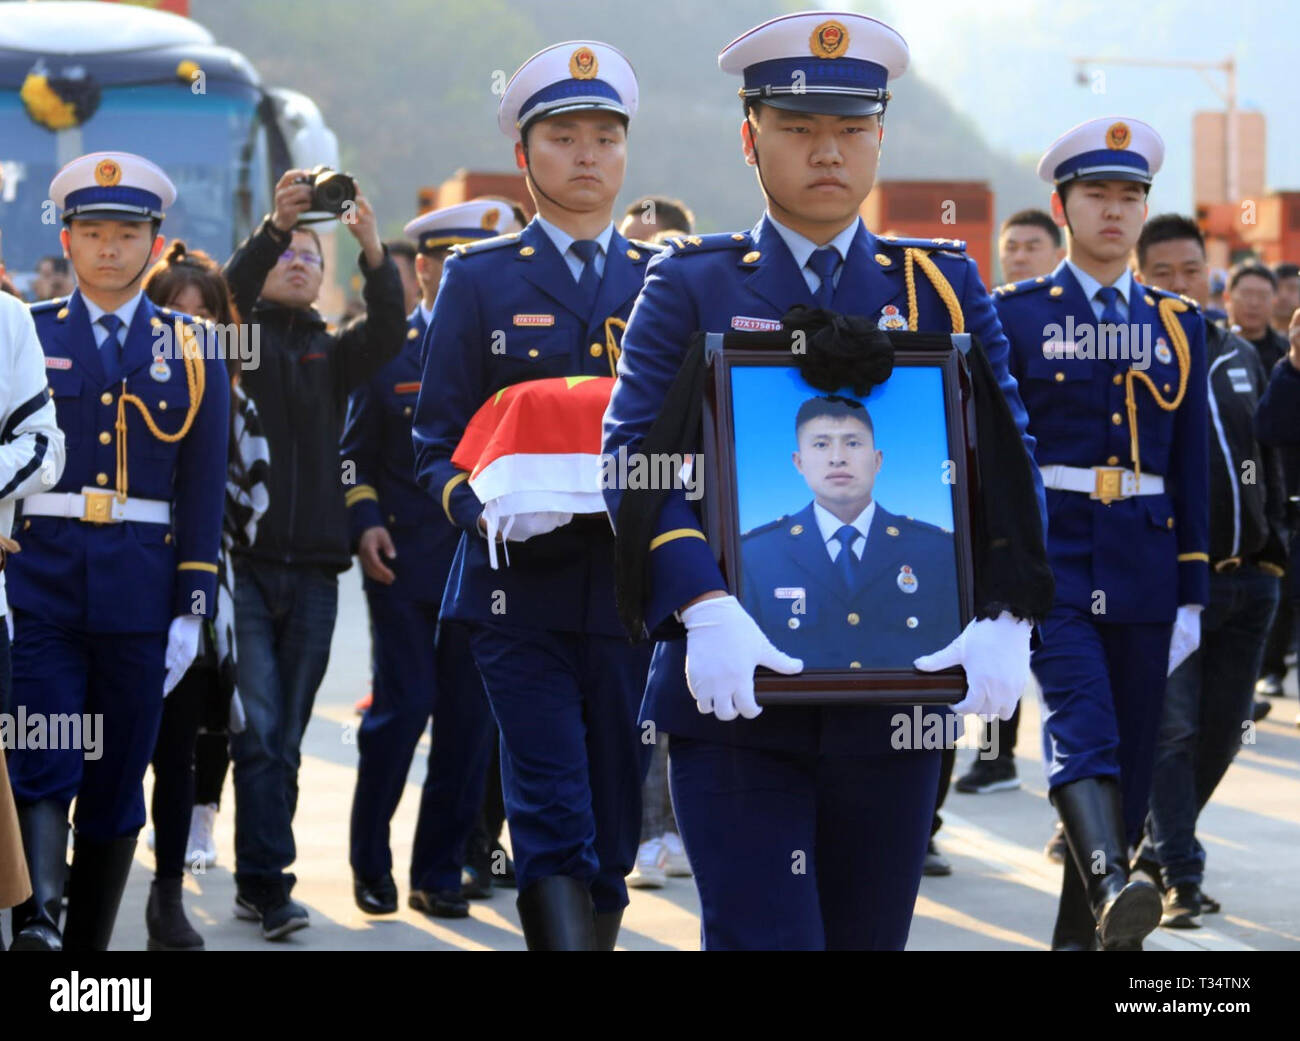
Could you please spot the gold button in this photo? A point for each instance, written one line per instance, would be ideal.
(527, 251)
(883, 260)
(738, 236)
(854, 619)
(26, 524)
(1116, 418)
(1117, 379)
(392, 519)
(1060, 377)
(63, 313)
(596, 350)
(406, 411)
(101, 479)
(912, 622)
(106, 398)
(1169, 523)
(855, 665)
(1055, 291)
(891, 530)
(155, 322)
(1168, 388)
(750, 257)
(105, 437)
(1112, 460)
(533, 353)
(412, 334)
(793, 623)
(168, 538)
(1150, 300)
(1041, 278)
(797, 530)
(162, 406)
(633, 255)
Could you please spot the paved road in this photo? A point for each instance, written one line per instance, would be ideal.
(1001, 895)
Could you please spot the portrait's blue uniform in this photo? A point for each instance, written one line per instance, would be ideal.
(561, 677)
(418, 667)
(1122, 567)
(900, 604)
(92, 602)
(841, 756)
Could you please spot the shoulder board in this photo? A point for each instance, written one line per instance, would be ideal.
(951, 245)
(42, 306)
(483, 245)
(708, 243)
(649, 247)
(769, 526)
(1027, 285)
(1165, 294)
(925, 527)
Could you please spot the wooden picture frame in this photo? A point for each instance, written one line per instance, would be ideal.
(759, 554)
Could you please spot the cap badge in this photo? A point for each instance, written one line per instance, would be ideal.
(829, 40)
(582, 64)
(1118, 136)
(107, 173)
(489, 221)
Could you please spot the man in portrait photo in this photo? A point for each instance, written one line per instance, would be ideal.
(844, 583)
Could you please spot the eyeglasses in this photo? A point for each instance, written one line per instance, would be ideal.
(310, 259)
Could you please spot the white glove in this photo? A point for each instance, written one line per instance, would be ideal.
(1186, 637)
(995, 654)
(520, 527)
(182, 648)
(723, 647)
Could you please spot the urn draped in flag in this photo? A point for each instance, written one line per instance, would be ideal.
(532, 452)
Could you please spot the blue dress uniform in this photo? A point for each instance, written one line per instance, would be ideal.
(1124, 454)
(418, 667)
(126, 542)
(904, 593)
(563, 682)
(772, 809)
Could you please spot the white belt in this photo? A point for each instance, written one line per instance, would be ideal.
(97, 507)
(1102, 482)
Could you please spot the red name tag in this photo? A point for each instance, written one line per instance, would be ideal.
(755, 325)
(406, 388)
(58, 363)
(534, 319)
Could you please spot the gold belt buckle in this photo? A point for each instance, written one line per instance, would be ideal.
(1108, 487)
(98, 507)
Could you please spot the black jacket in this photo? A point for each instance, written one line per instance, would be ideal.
(1247, 489)
(301, 384)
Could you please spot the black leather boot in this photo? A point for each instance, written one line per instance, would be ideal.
(1076, 929)
(607, 925)
(557, 914)
(95, 885)
(44, 827)
(164, 917)
(1093, 815)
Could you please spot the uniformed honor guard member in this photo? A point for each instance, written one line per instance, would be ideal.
(119, 561)
(405, 545)
(804, 827)
(1114, 377)
(898, 581)
(562, 680)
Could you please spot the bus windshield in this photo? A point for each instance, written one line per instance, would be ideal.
(212, 145)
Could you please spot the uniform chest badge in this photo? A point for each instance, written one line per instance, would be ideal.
(406, 388)
(58, 363)
(789, 592)
(1163, 354)
(891, 318)
(534, 319)
(745, 324)
(160, 370)
(906, 580)
(1057, 350)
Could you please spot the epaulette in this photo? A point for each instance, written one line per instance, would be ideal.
(926, 527)
(769, 526)
(1023, 286)
(650, 247)
(1192, 304)
(950, 245)
(464, 249)
(684, 244)
(42, 306)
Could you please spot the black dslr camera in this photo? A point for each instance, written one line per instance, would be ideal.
(331, 190)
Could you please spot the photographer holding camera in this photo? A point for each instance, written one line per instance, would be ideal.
(286, 582)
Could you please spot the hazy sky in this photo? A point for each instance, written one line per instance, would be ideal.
(1006, 65)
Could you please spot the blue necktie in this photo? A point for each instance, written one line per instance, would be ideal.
(1109, 295)
(823, 264)
(111, 349)
(846, 561)
(589, 283)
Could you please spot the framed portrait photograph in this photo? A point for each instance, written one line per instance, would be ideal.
(842, 521)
